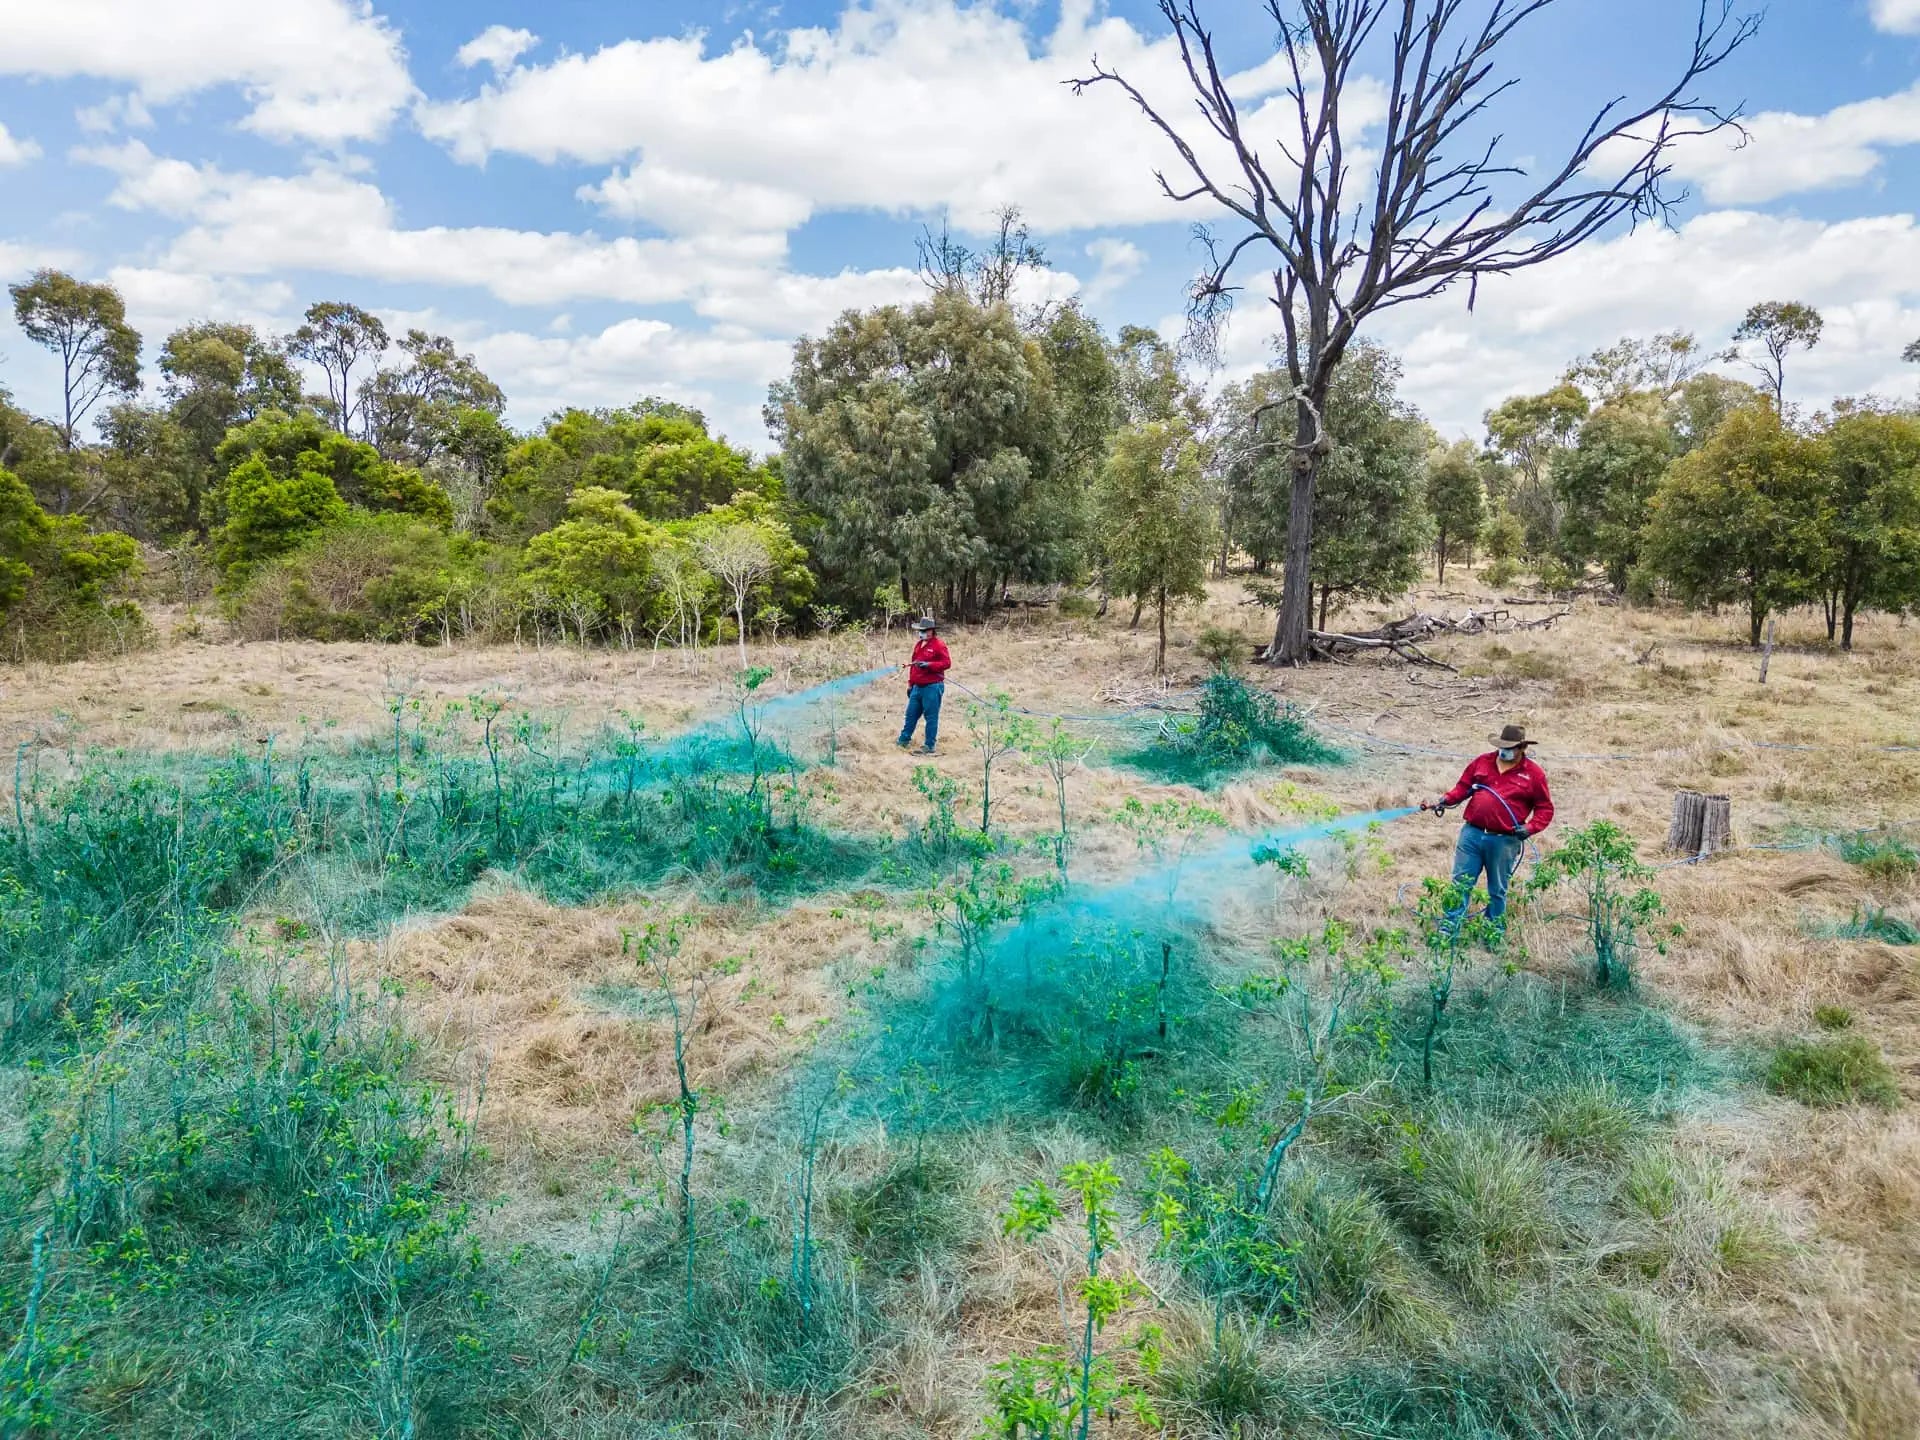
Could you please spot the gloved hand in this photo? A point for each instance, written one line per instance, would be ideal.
(1522, 833)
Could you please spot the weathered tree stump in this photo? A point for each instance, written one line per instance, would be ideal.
(1701, 825)
(1716, 825)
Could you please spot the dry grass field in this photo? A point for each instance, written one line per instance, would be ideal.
(1800, 1232)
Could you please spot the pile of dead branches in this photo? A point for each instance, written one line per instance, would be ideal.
(1404, 637)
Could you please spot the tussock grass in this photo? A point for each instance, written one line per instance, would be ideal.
(1825, 1073)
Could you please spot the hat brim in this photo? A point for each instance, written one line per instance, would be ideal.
(1507, 744)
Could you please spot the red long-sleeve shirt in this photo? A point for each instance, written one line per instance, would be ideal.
(1523, 788)
(930, 662)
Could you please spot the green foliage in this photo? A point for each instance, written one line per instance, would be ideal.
(997, 731)
(1370, 520)
(1873, 922)
(1873, 517)
(60, 584)
(1530, 432)
(1606, 483)
(1779, 327)
(1052, 1393)
(267, 517)
(934, 443)
(1828, 1073)
(1059, 752)
(1883, 856)
(656, 454)
(1833, 1017)
(1744, 519)
(85, 326)
(1155, 520)
(599, 569)
(369, 577)
(1602, 863)
(1239, 726)
(1457, 500)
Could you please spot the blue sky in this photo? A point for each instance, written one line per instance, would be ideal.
(607, 200)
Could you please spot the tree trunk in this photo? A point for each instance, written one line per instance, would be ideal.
(1846, 626)
(1326, 603)
(1440, 554)
(1161, 663)
(1296, 588)
(1139, 607)
(1830, 603)
(1756, 617)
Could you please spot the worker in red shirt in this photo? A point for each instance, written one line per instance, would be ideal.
(926, 684)
(1507, 801)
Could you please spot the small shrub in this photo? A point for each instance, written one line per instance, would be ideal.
(1833, 1017)
(1076, 606)
(1829, 1073)
(1220, 646)
(1602, 862)
(1501, 572)
(1557, 575)
(1238, 726)
(1884, 857)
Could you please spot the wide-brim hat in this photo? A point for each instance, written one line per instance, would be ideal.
(1512, 737)
(926, 622)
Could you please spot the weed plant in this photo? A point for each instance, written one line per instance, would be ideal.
(1885, 857)
(1621, 909)
(1238, 727)
(1872, 922)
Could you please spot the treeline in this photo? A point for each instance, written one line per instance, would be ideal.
(931, 456)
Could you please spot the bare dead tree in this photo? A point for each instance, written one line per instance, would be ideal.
(1438, 206)
(987, 277)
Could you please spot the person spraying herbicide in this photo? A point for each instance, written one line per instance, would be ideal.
(926, 684)
(1507, 802)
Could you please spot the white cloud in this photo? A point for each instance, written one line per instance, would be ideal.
(904, 106)
(1527, 327)
(116, 112)
(497, 46)
(1119, 261)
(696, 204)
(16, 151)
(720, 371)
(19, 258)
(1901, 17)
(327, 221)
(1786, 153)
(325, 71)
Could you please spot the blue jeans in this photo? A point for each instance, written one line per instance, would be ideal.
(924, 700)
(1479, 851)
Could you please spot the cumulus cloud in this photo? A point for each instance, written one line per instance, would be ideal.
(116, 112)
(323, 71)
(497, 46)
(1526, 328)
(1901, 17)
(1784, 153)
(902, 106)
(329, 221)
(1119, 261)
(15, 151)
